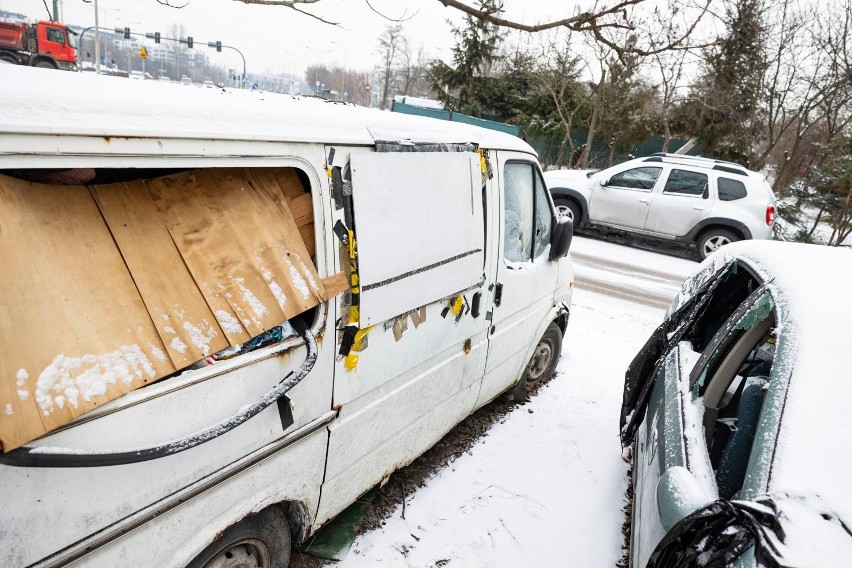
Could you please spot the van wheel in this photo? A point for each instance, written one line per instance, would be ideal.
(258, 541)
(712, 240)
(569, 208)
(543, 362)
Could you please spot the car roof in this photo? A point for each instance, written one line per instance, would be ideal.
(810, 285)
(100, 108)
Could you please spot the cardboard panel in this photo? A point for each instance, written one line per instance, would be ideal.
(241, 246)
(74, 332)
(185, 323)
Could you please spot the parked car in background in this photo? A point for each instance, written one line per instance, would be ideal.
(209, 84)
(185, 80)
(138, 75)
(736, 410)
(688, 199)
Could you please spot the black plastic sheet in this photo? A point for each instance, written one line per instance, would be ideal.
(718, 533)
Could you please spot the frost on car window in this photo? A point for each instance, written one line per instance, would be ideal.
(518, 224)
(543, 218)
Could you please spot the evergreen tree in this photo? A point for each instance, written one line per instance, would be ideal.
(466, 86)
(724, 109)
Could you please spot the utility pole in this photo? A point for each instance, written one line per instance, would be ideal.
(97, 42)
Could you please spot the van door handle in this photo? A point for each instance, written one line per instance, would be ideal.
(498, 294)
(645, 201)
(699, 208)
(474, 304)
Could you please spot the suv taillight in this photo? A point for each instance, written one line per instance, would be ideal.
(770, 215)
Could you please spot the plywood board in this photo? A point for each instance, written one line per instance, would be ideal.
(239, 244)
(187, 326)
(63, 283)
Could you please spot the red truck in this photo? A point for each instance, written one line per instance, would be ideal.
(43, 44)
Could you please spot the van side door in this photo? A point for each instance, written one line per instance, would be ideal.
(525, 278)
(413, 370)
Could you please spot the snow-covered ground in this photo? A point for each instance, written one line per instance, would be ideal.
(546, 487)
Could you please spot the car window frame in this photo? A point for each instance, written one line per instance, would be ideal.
(704, 191)
(537, 181)
(661, 169)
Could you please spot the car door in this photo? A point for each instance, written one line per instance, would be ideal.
(625, 199)
(711, 395)
(525, 278)
(684, 201)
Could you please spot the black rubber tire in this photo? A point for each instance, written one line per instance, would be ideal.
(543, 362)
(261, 540)
(713, 239)
(45, 64)
(571, 206)
(8, 58)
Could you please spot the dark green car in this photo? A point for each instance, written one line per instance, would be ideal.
(737, 414)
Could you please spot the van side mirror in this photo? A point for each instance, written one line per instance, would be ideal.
(678, 495)
(560, 236)
(603, 182)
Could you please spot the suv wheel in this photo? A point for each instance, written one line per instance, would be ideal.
(714, 239)
(568, 208)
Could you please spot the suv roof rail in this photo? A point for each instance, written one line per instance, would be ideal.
(698, 162)
(699, 158)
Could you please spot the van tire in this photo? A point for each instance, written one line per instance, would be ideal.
(713, 239)
(261, 540)
(543, 362)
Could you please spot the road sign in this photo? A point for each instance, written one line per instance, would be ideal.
(143, 53)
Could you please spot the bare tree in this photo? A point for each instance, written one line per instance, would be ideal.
(390, 43)
(558, 77)
(620, 15)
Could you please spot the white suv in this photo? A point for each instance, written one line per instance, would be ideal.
(682, 198)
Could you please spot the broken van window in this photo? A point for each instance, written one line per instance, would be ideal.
(518, 211)
(146, 277)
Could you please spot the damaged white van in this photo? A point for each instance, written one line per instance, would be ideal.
(226, 315)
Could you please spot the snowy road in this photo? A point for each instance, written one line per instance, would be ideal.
(545, 487)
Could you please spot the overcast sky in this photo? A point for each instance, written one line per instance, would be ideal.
(276, 39)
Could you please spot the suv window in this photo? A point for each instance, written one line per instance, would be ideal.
(528, 218)
(636, 178)
(683, 182)
(731, 189)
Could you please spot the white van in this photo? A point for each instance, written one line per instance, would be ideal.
(457, 290)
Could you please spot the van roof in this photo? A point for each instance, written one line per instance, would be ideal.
(43, 108)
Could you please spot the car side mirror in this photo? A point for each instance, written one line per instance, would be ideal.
(678, 495)
(603, 182)
(561, 236)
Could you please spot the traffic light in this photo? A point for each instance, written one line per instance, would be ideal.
(126, 33)
(189, 42)
(156, 37)
(216, 44)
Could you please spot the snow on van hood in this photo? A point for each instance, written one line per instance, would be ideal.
(39, 101)
(811, 285)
